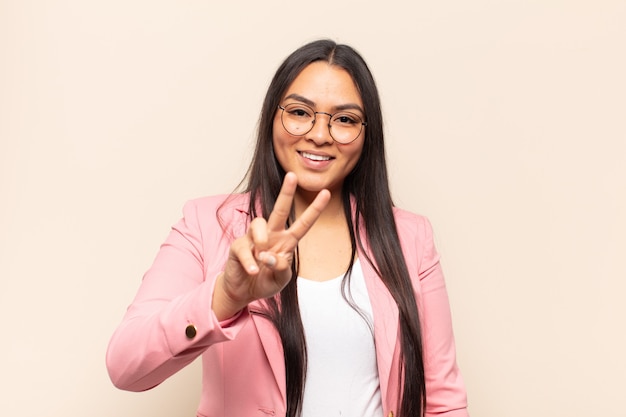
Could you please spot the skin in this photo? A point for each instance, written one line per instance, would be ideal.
(324, 87)
(259, 263)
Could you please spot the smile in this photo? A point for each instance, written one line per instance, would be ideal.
(315, 157)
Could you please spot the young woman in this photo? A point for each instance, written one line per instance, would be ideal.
(308, 293)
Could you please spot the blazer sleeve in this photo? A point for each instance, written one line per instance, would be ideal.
(171, 322)
(445, 389)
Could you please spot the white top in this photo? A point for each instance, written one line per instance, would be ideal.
(342, 376)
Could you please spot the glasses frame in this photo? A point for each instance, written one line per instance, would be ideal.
(330, 117)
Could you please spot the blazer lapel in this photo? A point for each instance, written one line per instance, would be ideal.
(273, 346)
(385, 313)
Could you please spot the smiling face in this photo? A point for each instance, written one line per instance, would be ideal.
(318, 161)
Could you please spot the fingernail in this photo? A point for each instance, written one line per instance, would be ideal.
(253, 269)
(268, 259)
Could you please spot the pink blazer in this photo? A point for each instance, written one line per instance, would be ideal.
(170, 322)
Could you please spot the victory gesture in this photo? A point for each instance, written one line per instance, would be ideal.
(259, 263)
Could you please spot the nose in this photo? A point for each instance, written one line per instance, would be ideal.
(320, 133)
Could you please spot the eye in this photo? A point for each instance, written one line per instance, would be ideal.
(346, 119)
(299, 111)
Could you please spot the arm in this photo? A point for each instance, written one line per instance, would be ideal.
(151, 343)
(445, 390)
(177, 311)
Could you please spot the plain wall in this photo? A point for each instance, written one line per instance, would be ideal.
(505, 126)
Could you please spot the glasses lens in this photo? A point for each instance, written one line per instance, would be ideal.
(345, 127)
(298, 119)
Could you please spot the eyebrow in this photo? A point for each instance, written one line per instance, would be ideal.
(347, 106)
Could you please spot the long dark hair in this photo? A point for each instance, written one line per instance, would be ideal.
(368, 187)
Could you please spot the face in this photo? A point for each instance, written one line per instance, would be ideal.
(318, 161)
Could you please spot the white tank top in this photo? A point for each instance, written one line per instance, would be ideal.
(342, 376)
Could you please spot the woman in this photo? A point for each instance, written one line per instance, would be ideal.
(308, 293)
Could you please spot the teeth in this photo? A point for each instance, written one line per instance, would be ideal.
(315, 157)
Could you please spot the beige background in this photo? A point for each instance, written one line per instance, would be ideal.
(506, 127)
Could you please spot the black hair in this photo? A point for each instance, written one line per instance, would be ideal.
(367, 186)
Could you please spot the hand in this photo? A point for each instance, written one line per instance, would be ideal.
(259, 263)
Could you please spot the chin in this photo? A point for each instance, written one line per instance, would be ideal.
(309, 188)
(316, 182)
(316, 187)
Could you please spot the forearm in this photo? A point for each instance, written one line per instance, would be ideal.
(153, 341)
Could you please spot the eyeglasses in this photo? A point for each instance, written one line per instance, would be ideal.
(298, 120)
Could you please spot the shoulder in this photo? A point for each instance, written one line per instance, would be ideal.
(416, 238)
(411, 223)
(219, 203)
(229, 211)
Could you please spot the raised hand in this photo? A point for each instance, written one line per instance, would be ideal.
(259, 263)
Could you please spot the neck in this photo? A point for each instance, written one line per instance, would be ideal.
(333, 210)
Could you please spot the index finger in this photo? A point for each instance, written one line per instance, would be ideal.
(302, 225)
(282, 207)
